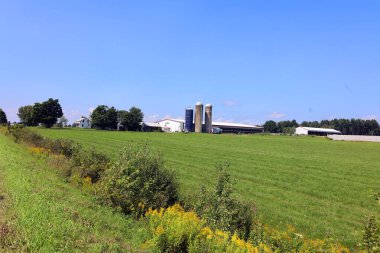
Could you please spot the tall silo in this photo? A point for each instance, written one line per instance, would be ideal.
(189, 120)
(198, 117)
(208, 118)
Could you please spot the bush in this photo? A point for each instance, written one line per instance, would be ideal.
(88, 163)
(290, 241)
(371, 235)
(22, 134)
(62, 147)
(175, 230)
(221, 210)
(138, 181)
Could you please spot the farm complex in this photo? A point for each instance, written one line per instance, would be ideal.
(199, 124)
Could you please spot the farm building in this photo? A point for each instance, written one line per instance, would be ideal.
(83, 122)
(175, 125)
(150, 127)
(171, 125)
(237, 128)
(316, 131)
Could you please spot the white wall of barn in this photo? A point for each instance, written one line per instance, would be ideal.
(171, 125)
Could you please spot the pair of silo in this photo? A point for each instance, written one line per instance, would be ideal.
(198, 121)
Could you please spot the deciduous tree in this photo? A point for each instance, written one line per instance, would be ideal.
(3, 117)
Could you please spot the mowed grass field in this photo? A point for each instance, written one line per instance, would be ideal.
(321, 187)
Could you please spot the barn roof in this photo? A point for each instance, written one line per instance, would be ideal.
(321, 130)
(230, 124)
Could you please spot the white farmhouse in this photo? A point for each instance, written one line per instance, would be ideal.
(83, 122)
(171, 125)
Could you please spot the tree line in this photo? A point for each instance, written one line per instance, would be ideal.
(104, 117)
(346, 126)
(49, 113)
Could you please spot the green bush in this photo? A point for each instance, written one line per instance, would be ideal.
(88, 163)
(22, 134)
(61, 147)
(138, 181)
(221, 210)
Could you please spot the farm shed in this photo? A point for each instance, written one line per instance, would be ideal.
(237, 128)
(171, 125)
(316, 131)
(83, 122)
(150, 127)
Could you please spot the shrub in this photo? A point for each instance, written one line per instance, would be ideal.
(175, 230)
(87, 163)
(221, 210)
(371, 235)
(290, 241)
(22, 134)
(62, 147)
(138, 181)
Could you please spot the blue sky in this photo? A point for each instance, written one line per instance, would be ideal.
(253, 60)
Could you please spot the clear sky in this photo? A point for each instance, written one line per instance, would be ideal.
(253, 60)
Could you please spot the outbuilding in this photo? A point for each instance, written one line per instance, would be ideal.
(237, 128)
(151, 127)
(171, 125)
(316, 131)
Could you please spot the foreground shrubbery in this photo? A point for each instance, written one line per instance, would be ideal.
(138, 181)
(135, 182)
(221, 210)
(175, 230)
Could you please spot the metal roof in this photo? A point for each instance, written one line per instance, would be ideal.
(175, 120)
(215, 123)
(229, 124)
(321, 130)
(153, 124)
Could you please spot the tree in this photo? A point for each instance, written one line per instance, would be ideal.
(25, 113)
(270, 126)
(286, 124)
(104, 117)
(134, 117)
(62, 121)
(112, 118)
(47, 112)
(122, 117)
(3, 117)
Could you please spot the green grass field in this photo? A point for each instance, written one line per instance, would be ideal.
(321, 187)
(39, 212)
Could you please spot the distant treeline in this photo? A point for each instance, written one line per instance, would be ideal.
(346, 126)
(49, 113)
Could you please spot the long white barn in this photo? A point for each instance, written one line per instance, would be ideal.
(316, 131)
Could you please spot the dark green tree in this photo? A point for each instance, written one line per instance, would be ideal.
(47, 112)
(3, 117)
(111, 117)
(25, 113)
(133, 119)
(270, 126)
(104, 117)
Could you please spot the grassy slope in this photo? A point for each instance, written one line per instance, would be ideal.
(51, 215)
(319, 186)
